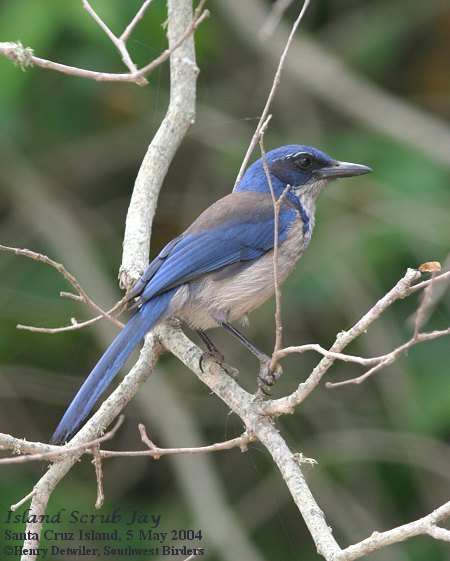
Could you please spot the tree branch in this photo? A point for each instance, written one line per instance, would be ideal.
(425, 525)
(24, 57)
(179, 117)
(256, 414)
(71, 452)
(276, 82)
(276, 211)
(288, 403)
(81, 297)
(49, 451)
(156, 452)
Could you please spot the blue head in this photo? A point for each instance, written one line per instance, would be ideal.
(306, 169)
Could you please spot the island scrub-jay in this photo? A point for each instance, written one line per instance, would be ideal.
(221, 267)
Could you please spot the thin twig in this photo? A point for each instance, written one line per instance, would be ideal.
(421, 285)
(255, 415)
(275, 84)
(378, 540)
(57, 451)
(24, 56)
(288, 403)
(179, 117)
(22, 501)
(53, 452)
(155, 452)
(82, 296)
(168, 52)
(389, 358)
(97, 461)
(98, 20)
(424, 305)
(139, 15)
(439, 533)
(310, 67)
(377, 361)
(276, 211)
(330, 354)
(75, 324)
(118, 42)
(145, 439)
(182, 114)
(9, 50)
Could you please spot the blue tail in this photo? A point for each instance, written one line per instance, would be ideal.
(109, 364)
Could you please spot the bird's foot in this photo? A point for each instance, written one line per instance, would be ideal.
(267, 376)
(218, 358)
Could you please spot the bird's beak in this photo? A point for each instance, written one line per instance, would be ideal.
(341, 169)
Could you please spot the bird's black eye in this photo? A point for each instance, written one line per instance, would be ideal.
(304, 162)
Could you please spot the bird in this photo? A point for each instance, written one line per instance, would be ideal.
(221, 268)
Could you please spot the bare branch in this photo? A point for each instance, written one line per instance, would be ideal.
(256, 415)
(439, 288)
(104, 416)
(300, 349)
(139, 15)
(426, 300)
(378, 361)
(22, 501)
(276, 82)
(421, 285)
(276, 211)
(179, 117)
(97, 461)
(389, 358)
(54, 452)
(14, 51)
(244, 405)
(82, 296)
(23, 56)
(439, 533)
(248, 409)
(377, 540)
(156, 452)
(98, 20)
(168, 52)
(75, 324)
(288, 403)
(39, 451)
(118, 42)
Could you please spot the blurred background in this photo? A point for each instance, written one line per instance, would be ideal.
(365, 81)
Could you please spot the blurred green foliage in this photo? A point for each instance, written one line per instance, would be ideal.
(73, 147)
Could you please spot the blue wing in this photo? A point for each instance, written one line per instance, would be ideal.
(237, 229)
(234, 231)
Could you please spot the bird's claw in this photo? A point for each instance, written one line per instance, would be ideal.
(268, 376)
(218, 358)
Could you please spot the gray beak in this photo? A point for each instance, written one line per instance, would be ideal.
(341, 169)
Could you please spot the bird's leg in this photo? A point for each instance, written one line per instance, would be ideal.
(215, 355)
(267, 376)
